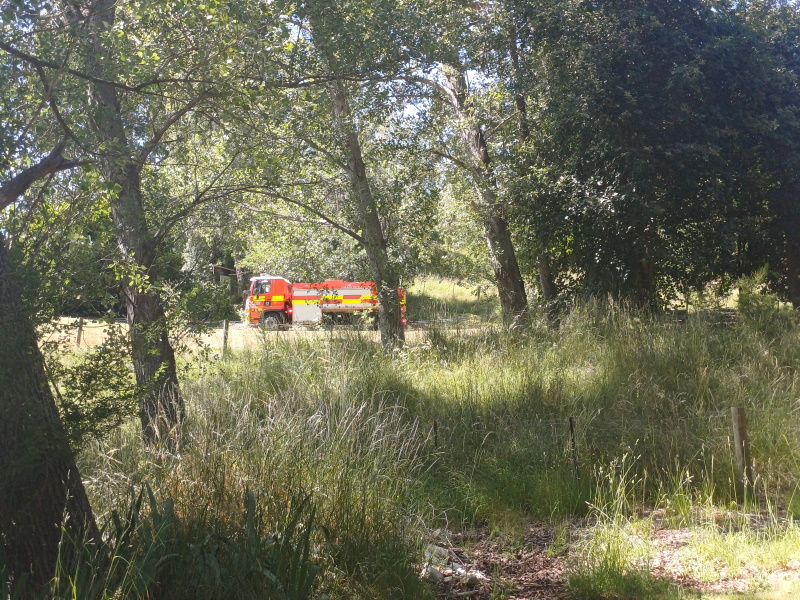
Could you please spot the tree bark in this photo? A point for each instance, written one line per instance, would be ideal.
(386, 280)
(40, 486)
(644, 292)
(510, 285)
(793, 269)
(161, 405)
(548, 285)
(791, 227)
(385, 277)
(641, 286)
(547, 282)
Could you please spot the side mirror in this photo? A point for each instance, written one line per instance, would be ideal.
(245, 293)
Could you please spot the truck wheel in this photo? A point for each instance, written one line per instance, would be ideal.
(269, 320)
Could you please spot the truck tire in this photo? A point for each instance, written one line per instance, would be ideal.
(269, 320)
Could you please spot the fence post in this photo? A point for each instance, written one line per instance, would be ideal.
(225, 325)
(744, 468)
(79, 337)
(573, 444)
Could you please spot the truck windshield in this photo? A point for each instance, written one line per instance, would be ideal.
(261, 287)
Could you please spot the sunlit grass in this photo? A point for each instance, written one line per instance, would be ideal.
(716, 553)
(448, 300)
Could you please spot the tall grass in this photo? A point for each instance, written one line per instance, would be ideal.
(467, 427)
(634, 385)
(274, 425)
(616, 554)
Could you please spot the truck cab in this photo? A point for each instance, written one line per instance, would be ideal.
(269, 301)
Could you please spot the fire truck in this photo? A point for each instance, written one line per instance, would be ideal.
(274, 301)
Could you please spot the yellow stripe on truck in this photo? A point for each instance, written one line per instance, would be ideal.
(309, 301)
(277, 298)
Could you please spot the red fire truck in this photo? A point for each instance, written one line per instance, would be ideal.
(275, 300)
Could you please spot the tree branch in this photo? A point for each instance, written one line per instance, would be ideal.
(442, 89)
(454, 160)
(487, 134)
(200, 198)
(280, 83)
(277, 215)
(326, 153)
(161, 131)
(50, 98)
(29, 58)
(16, 186)
(263, 191)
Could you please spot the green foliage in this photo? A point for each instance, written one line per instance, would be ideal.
(446, 300)
(660, 159)
(151, 550)
(651, 166)
(761, 310)
(196, 305)
(303, 253)
(95, 389)
(63, 242)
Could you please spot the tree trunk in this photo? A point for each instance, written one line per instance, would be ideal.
(40, 487)
(791, 226)
(644, 293)
(392, 333)
(793, 269)
(547, 283)
(549, 289)
(641, 284)
(383, 273)
(510, 285)
(160, 405)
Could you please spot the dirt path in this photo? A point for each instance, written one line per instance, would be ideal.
(487, 568)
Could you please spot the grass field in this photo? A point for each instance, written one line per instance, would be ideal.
(318, 450)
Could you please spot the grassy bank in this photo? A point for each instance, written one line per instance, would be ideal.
(469, 428)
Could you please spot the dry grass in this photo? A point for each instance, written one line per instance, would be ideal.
(240, 335)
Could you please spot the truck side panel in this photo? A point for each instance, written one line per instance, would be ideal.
(306, 309)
